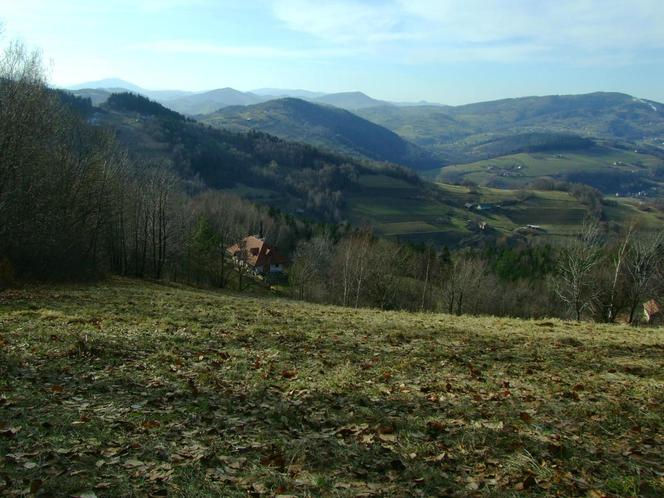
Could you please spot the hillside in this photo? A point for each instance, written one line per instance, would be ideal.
(609, 169)
(318, 185)
(127, 388)
(350, 100)
(207, 102)
(324, 186)
(291, 176)
(329, 127)
(439, 215)
(115, 85)
(456, 131)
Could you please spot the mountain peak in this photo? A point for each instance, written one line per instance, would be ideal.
(108, 83)
(351, 100)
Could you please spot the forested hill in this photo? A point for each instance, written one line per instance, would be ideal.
(305, 178)
(457, 131)
(323, 125)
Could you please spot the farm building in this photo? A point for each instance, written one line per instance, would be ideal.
(261, 257)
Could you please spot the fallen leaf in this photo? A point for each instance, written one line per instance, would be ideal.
(151, 424)
(289, 374)
(525, 416)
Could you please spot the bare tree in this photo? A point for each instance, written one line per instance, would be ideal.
(427, 257)
(573, 283)
(618, 264)
(241, 265)
(642, 263)
(461, 284)
(310, 266)
(387, 286)
(352, 260)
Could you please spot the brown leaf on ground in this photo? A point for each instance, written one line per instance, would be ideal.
(526, 417)
(289, 374)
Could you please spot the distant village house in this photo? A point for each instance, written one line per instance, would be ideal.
(258, 255)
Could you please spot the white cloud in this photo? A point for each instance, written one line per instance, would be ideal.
(343, 21)
(252, 52)
(570, 30)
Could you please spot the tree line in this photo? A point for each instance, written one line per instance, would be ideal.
(595, 275)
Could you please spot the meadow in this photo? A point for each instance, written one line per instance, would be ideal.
(518, 170)
(127, 388)
(439, 214)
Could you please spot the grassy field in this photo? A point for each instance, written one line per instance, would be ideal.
(520, 169)
(440, 217)
(135, 389)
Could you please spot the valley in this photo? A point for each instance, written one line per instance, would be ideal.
(394, 202)
(456, 215)
(624, 173)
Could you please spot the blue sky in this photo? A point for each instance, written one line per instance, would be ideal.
(448, 51)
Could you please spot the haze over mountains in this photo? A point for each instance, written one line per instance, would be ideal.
(192, 103)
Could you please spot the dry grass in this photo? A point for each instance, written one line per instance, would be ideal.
(127, 388)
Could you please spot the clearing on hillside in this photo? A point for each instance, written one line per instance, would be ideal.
(127, 388)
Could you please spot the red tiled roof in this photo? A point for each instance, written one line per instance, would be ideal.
(256, 252)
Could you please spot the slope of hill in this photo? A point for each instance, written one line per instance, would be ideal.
(203, 103)
(605, 115)
(308, 182)
(350, 100)
(336, 129)
(97, 96)
(609, 169)
(115, 85)
(456, 130)
(449, 214)
(294, 176)
(127, 388)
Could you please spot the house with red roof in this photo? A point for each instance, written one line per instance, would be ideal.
(258, 255)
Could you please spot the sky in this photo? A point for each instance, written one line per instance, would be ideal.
(446, 51)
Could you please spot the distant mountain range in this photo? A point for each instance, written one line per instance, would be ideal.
(115, 85)
(282, 92)
(193, 103)
(421, 136)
